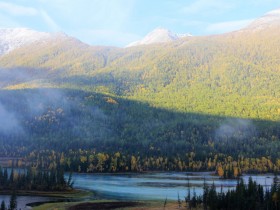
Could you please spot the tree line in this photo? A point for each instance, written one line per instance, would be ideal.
(91, 161)
(31, 179)
(251, 196)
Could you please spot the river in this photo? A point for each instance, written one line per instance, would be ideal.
(150, 186)
(145, 186)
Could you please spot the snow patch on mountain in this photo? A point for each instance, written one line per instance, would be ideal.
(270, 19)
(159, 35)
(13, 38)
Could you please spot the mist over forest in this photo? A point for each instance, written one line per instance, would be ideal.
(194, 103)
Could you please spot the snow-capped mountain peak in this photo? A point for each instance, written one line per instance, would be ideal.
(270, 19)
(13, 38)
(158, 35)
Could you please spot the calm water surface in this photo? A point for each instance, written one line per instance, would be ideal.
(155, 185)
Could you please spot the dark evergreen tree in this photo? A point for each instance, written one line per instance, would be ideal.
(11, 180)
(205, 195)
(188, 196)
(5, 177)
(194, 200)
(165, 203)
(212, 197)
(3, 205)
(13, 201)
(179, 201)
(243, 197)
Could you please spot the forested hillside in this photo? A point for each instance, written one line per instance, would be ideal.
(195, 103)
(68, 126)
(234, 74)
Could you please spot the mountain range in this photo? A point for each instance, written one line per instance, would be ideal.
(164, 88)
(227, 67)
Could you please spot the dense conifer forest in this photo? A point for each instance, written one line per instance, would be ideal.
(89, 132)
(243, 197)
(31, 179)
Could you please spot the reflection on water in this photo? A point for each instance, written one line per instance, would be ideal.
(155, 185)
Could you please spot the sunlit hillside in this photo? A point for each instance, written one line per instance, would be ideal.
(235, 74)
(190, 103)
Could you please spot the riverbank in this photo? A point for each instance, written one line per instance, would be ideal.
(103, 204)
(75, 193)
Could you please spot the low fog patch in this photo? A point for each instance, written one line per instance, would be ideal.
(65, 114)
(238, 129)
(15, 76)
(8, 121)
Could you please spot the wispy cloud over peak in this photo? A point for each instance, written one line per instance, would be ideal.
(228, 26)
(49, 21)
(17, 10)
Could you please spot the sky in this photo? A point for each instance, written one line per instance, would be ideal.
(120, 22)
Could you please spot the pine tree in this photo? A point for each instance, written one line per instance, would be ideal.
(205, 195)
(188, 197)
(179, 201)
(212, 196)
(12, 177)
(5, 177)
(194, 199)
(3, 205)
(165, 203)
(13, 201)
(1, 176)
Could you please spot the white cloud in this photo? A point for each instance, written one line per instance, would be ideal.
(91, 12)
(10, 12)
(17, 10)
(49, 21)
(223, 27)
(207, 6)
